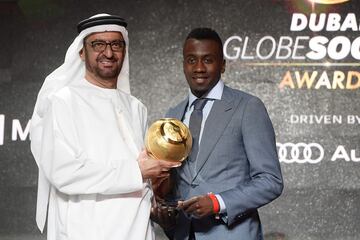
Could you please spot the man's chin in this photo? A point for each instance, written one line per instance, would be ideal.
(108, 75)
(199, 91)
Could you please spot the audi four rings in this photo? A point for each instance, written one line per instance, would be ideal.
(300, 152)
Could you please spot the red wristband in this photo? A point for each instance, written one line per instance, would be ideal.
(215, 202)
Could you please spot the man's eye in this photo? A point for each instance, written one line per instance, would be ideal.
(98, 44)
(118, 44)
(191, 60)
(208, 60)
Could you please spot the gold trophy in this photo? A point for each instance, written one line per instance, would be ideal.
(168, 139)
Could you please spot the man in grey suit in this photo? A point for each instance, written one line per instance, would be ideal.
(233, 168)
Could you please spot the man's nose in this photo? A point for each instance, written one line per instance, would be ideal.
(108, 51)
(199, 67)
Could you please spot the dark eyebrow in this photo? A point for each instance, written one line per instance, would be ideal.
(210, 55)
(202, 56)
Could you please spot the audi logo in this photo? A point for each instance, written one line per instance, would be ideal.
(300, 152)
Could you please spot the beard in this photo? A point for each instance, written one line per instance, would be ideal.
(104, 73)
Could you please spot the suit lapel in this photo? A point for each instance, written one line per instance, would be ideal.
(178, 111)
(215, 124)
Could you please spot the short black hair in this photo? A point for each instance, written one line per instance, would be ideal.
(204, 33)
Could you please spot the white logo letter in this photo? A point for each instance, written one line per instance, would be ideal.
(2, 124)
(298, 22)
(285, 47)
(340, 153)
(17, 130)
(333, 23)
(339, 47)
(236, 49)
(316, 44)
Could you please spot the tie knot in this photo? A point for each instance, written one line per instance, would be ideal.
(200, 103)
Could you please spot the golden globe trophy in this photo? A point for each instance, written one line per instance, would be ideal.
(168, 139)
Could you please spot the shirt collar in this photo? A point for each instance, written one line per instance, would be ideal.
(214, 94)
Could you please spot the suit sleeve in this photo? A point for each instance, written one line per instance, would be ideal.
(67, 166)
(265, 182)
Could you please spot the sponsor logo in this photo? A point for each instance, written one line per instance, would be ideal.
(307, 61)
(300, 152)
(325, 119)
(342, 154)
(313, 153)
(18, 131)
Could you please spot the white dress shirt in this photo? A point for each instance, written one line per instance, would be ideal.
(214, 94)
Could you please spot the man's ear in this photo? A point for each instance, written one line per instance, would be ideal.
(223, 66)
(82, 54)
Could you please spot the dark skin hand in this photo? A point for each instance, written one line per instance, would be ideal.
(163, 215)
(162, 186)
(198, 206)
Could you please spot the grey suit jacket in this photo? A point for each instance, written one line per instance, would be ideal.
(238, 160)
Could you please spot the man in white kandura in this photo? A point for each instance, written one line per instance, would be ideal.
(87, 138)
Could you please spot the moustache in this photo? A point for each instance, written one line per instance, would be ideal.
(112, 59)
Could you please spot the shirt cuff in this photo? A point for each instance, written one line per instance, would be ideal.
(221, 203)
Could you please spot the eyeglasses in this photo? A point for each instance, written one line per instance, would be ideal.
(100, 46)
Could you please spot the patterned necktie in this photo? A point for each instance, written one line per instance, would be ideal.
(195, 126)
